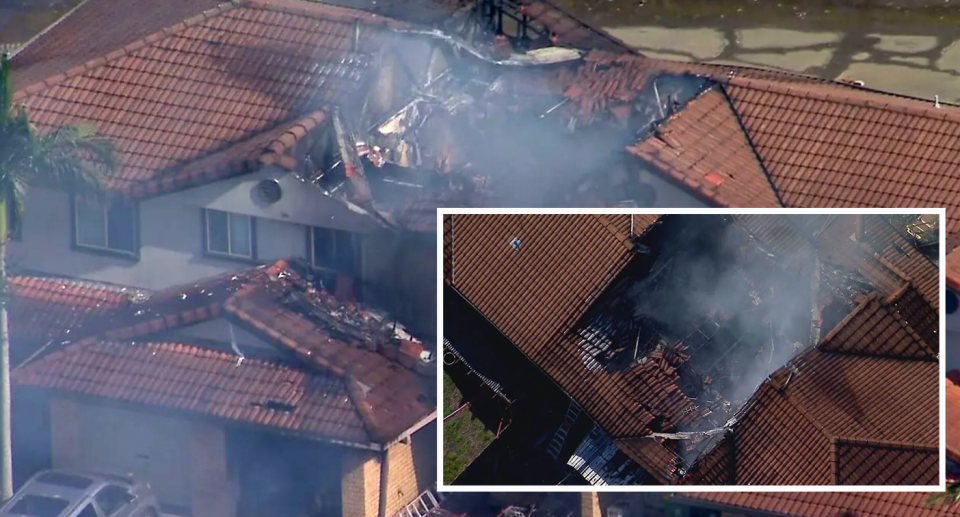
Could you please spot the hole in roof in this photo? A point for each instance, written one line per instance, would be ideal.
(952, 302)
(515, 243)
(275, 405)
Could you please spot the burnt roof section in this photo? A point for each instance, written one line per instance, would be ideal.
(884, 325)
(379, 364)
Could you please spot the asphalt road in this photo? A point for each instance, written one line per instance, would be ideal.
(918, 65)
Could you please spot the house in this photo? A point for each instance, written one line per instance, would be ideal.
(233, 394)
(211, 327)
(634, 318)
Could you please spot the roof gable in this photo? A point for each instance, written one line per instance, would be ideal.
(703, 147)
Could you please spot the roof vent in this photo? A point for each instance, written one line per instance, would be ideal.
(515, 243)
(269, 191)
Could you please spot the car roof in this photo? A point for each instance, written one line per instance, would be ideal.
(67, 486)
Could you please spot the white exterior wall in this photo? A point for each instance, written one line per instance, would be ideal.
(171, 247)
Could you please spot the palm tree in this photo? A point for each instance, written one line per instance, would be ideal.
(70, 158)
(948, 498)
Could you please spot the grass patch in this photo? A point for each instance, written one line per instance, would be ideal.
(464, 437)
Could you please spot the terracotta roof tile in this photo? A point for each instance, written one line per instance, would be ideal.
(877, 327)
(953, 269)
(383, 374)
(828, 504)
(711, 154)
(952, 398)
(48, 308)
(203, 87)
(70, 42)
(560, 265)
(184, 377)
(841, 420)
(536, 274)
(839, 148)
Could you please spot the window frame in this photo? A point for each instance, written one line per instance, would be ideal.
(205, 236)
(107, 204)
(356, 267)
(96, 498)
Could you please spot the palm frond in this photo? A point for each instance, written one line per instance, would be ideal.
(944, 499)
(6, 88)
(73, 159)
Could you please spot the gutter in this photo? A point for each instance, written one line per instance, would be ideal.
(404, 437)
(384, 477)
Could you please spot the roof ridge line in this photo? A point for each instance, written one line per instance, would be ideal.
(786, 89)
(849, 317)
(749, 139)
(45, 31)
(886, 263)
(624, 239)
(124, 51)
(890, 444)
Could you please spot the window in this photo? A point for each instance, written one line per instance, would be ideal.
(40, 506)
(334, 250)
(110, 226)
(14, 232)
(113, 498)
(88, 511)
(228, 234)
(63, 480)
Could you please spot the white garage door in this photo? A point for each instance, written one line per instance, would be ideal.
(153, 448)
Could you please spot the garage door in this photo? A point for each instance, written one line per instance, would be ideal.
(153, 448)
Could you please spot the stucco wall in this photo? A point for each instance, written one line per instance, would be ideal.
(171, 234)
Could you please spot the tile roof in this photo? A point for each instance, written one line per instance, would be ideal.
(605, 79)
(49, 308)
(952, 398)
(704, 147)
(539, 274)
(70, 42)
(842, 419)
(953, 269)
(243, 75)
(387, 382)
(827, 504)
(562, 263)
(819, 144)
(828, 147)
(877, 327)
(189, 378)
(887, 337)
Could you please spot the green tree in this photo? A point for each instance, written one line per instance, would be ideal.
(943, 499)
(69, 158)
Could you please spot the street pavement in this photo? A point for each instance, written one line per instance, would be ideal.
(918, 65)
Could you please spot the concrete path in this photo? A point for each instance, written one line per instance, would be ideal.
(917, 65)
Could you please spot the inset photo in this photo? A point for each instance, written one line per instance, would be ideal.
(788, 349)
